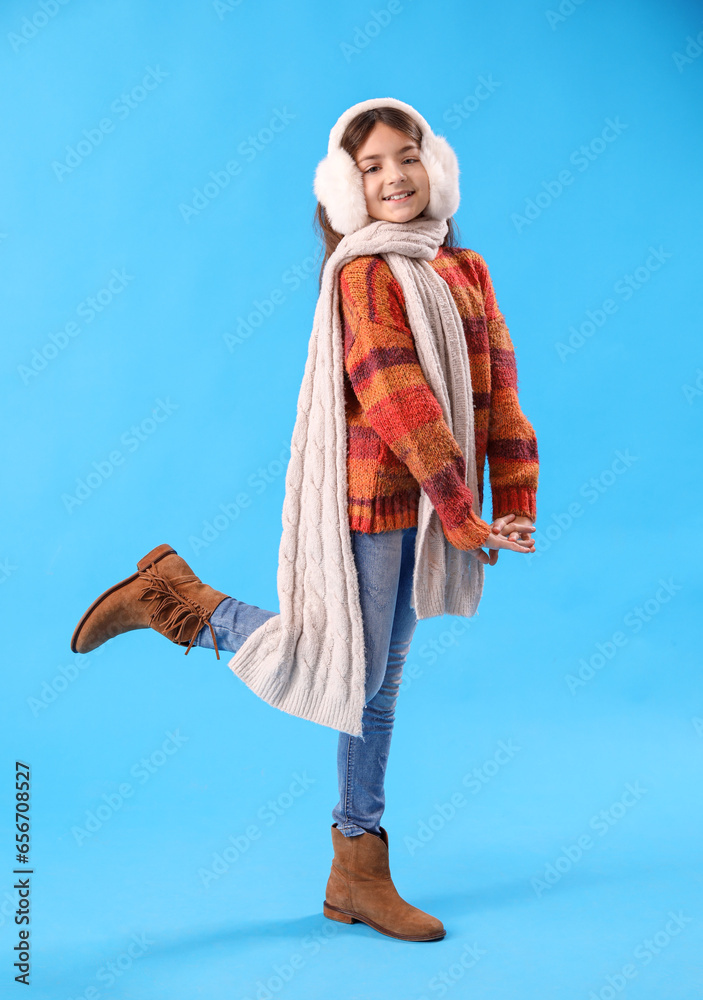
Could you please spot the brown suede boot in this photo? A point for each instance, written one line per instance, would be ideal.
(164, 594)
(360, 888)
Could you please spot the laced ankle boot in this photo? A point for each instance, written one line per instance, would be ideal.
(360, 888)
(164, 594)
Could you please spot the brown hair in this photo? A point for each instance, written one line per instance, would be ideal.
(354, 135)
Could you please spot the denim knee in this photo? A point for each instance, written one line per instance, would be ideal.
(382, 702)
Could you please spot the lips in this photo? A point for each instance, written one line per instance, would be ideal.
(392, 198)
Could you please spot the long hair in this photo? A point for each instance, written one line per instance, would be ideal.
(354, 135)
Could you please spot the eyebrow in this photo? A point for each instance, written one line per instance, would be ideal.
(375, 156)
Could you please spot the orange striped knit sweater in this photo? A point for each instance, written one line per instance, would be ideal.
(398, 441)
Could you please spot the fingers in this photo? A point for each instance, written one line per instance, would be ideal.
(520, 545)
(501, 522)
(516, 545)
(517, 540)
(514, 532)
(502, 542)
(525, 530)
(489, 558)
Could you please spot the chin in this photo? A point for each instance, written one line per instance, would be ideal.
(383, 218)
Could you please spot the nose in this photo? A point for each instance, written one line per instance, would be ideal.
(395, 174)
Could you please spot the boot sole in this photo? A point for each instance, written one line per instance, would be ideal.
(149, 559)
(347, 917)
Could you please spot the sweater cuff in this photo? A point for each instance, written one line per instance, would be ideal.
(518, 500)
(472, 534)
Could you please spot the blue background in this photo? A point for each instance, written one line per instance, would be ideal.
(608, 532)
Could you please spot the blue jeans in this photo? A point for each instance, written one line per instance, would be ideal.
(385, 563)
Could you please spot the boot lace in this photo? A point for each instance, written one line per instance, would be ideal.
(173, 611)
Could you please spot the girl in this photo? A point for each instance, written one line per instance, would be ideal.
(421, 359)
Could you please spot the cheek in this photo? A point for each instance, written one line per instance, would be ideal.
(368, 183)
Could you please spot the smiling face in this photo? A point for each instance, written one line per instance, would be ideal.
(396, 184)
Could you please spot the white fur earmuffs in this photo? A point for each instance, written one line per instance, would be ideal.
(339, 185)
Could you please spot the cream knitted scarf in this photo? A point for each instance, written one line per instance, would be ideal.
(309, 660)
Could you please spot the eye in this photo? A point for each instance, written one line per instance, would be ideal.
(408, 159)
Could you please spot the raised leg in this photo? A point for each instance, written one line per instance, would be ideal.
(232, 621)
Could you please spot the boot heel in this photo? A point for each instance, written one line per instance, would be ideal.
(343, 918)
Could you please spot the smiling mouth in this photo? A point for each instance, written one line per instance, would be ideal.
(399, 196)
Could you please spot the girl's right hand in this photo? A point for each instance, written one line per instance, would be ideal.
(497, 541)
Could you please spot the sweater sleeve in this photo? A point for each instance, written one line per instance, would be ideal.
(511, 450)
(387, 379)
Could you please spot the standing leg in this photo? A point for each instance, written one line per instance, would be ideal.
(385, 566)
(360, 887)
